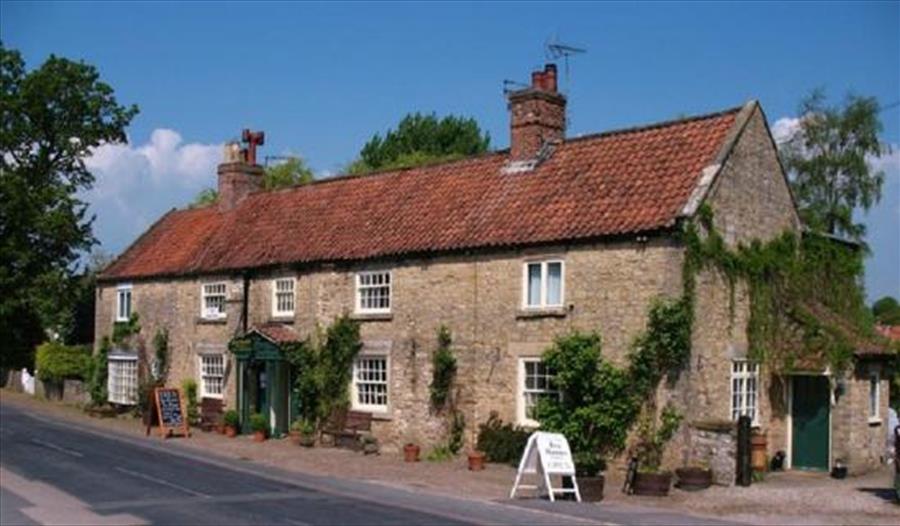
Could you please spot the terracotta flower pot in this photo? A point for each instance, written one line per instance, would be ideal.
(411, 453)
(476, 461)
(307, 440)
(220, 428)
(295, 437)
(259, 436)
(758, 452)
(652, 484)
(693, 479)
(230, 431)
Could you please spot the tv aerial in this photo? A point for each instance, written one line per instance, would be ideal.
(556, 50)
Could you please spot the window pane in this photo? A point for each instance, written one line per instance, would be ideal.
(554, 283)
(534, 284)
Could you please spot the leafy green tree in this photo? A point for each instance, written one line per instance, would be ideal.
(419, 140)
(886, 311)
(52, 117)
(291, 172)
(829, 161)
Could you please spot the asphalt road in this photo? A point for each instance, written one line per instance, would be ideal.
(116, 480)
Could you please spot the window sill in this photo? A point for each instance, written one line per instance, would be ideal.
(377, 414)
(285, 320)
(372, 316)
(874, 422)
(211, 321)
(549, 312)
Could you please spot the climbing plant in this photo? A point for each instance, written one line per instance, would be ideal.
(97, 383)
(443, 369)
(322, 368)
(806, 297)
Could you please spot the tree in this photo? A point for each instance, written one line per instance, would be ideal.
(829, 161)
(52, 117)
(291, 172)
(886, 311)
(419, 140)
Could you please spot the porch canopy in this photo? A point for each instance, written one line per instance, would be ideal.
(264, 376)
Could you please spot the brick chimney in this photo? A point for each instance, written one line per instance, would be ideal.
(538, 115)
(239, 174)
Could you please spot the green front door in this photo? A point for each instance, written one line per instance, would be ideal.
(810, 405)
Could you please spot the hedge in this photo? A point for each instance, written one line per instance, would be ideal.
(56, 362)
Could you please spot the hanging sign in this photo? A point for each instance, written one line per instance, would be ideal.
(170, 411)
(546, 455)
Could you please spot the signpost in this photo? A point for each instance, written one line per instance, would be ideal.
(171, 413)
(546, 455)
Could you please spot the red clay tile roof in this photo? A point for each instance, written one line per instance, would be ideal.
(891, 332)
(277, 332)
(612, 183)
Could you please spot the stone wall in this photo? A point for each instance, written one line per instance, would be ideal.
(857, 439)
(714, 444)
(478, 296)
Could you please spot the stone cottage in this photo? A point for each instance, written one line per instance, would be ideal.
(508, 250)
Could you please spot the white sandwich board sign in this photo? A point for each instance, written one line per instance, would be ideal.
(546, 455)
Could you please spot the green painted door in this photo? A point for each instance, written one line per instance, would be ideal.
(810, 406)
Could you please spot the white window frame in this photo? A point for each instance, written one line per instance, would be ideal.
(123, 291)
(207, 314)
(372, 408)
(521, 389)
(207, 374)
(113, 394)
(359, 309)
(276, 312)
(749, 370)
(874, 409)
(543, 304)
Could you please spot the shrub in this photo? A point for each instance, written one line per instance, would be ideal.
(190, 396)
(443, 369)
(440, 454)
(501, 442)
(231, 418)
(304, 427)
(457, 428)
(56, 362)
(653, 437)
(258, 422)
(97, 384)
(323, 367)
(595, 408)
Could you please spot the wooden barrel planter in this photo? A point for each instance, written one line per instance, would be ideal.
(591, 488)
(693, 479)
(758, 459)
(652, 484)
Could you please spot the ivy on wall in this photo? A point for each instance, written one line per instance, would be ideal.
(806, 296)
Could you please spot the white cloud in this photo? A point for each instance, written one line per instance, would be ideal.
(785, 128)
(135, 184)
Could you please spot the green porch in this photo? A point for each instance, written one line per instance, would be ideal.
(264, 382)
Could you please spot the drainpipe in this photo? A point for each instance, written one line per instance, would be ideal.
(245, 307)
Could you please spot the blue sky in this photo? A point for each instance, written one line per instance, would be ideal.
(320, 79)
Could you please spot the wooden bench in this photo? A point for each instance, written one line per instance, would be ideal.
(347, 427)
(211, 413)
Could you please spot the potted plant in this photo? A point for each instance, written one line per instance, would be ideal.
(650, 479)
(411, 452)
(259, 425)
(307, 434)
(231, 420)
(694, 477)
(476, 460)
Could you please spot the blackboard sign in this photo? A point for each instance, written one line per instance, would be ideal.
(170, 411)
